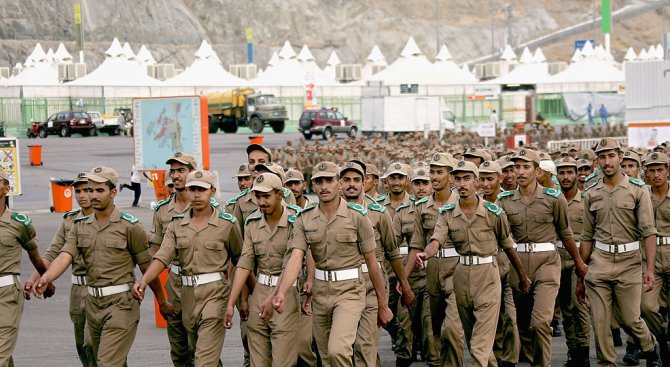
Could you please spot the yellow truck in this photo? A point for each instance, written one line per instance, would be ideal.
(245, 107)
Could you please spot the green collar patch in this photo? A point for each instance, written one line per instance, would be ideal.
(359, 208)
(234, 199)
(287, 192)
(82, 218)
(421, 201)
(178, 216)
(447, 207)
(228, 217)
(129, 218)
(377, 207)
(505, 194)
(251, 217)
(636, 182)
(593, 175)
(493, 208)
(72, 212)
(552, 192)
(403, 205)
(381, 197)
(213, 203)
(294, 207)
(411, 197)
(161, 203)
(292, 218)
(312, 206)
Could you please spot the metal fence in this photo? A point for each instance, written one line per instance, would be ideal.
(582, 143)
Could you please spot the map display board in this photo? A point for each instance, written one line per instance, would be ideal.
(166, 125)
(9, 162)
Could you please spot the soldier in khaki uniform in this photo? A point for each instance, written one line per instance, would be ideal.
(507, 345)
(654, 301)
(368, 334)
(243, 177)
(631, 164)
(205, 241)
(575, 314)
(267, 232)
(475, 228)
(111, 244)
(414, 325)
(78, 291)
(537, 217)
(245, 204)
(181, 164)
(337, 234)
(617, 214)
(18, 232)
(371, 180)
(440, 268)
(584, 169)
(508, 173)
(295, 181)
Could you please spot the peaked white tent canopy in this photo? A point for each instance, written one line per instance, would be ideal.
(374, 60)
(508, 54)
(144, 56)
(446, 72)
(205, 71)
(331, 64)
(528, 71)
(62, 55)
(289, 71)
(37, 71)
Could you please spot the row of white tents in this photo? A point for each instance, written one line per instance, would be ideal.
(123, 68)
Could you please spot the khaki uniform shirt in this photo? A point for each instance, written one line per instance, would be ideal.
(662, 214)
(383, 228)
(205, 250)
(479, 236)
(16, 232)
(425, 217)
(403, 223)
(78, 266)
(246, 204)
(576, 214)
(336, 243)
(265, 249)
(387, 203)
(543, 219)
(110, 253)
(618, 217)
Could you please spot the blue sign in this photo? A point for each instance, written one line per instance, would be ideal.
(579, 44)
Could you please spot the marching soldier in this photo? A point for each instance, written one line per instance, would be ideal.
(617, 214)
(371, 181)
(78, 291)
(204, 240)
(337, 234)
(537, 216)
(111, 244)
(440, 268)
(575, 314)
(295, 181)
(631, 164)
(243, 177)
(476, 228)
(584, 169)
(508, 173)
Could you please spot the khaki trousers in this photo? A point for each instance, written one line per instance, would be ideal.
(657, 299)
(444, 311)
(614, 287)
(112, 321)
(507, 345)
(181, 352)
(576, 319)
(306, 352)
(82, 336)
(11, 309)
(368, 333)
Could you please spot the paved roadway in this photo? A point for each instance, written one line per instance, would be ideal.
(46, 335)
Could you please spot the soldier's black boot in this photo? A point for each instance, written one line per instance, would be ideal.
(632, 357)
(556, 329)
(616, 337)
(402, 362)
(572, 355)
(584, 360)
(652, 358)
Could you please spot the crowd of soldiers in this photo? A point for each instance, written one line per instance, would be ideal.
(447, 246)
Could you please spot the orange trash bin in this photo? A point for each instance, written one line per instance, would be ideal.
(35, 153)
(253, 139)
(61, 195)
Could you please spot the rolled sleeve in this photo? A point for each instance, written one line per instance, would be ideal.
(645, 215)
(589, 221)
(418, 241)
(366, 235)
(29, 238)
(441, 231)
(503, 235)
(561, 221)
(234, 242)
(247, 258)
(298, 240)
(389, 244)
(138, 244)
(71, 243)
(167, 250)
(56, 244)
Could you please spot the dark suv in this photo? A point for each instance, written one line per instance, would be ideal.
(66, 123)
(325, 121)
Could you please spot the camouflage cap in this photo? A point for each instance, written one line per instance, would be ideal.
(584, 163)
(325, 169)
(242, 171)
(656, 158)
(351, 166)
(82, 178)
(252, 147)
(607, 144)
(371, 169)
(201, 178)
(183, 158)
(420, 173)
(442, 160)
(490, 167)
(396, 169)
(566, 162)
(528, 155)
(294, 175)
(270, 167)
(266, 182)
(103, 174)
(633, 156)
(465, 166)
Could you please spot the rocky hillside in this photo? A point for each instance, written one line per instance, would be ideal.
(173, 29)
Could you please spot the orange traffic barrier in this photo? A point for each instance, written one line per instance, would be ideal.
(61, 194)
(161, 323)
(35, 152)
(256, 139)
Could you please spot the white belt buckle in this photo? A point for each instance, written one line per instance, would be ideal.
(468, 260)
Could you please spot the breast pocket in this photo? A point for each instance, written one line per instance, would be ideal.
(313, 237)
(346, 238)
(544, 218)
(514, 220)
(598, 205)
(457, 236)
(8, 241)
(625, 204)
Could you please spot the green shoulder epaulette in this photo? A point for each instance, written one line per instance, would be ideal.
(359, 208)
(369, 197)
(403, 205)
(129, 218)
(287, 192)
(590, 186)
(22, 218)
(214, 203)
(292, 218)
(505, 194)
(228, 217)
(552, 192)
(161, 203)
(493, 208)
(82, 218)
(446, 207)
(411, 197)
(589, 177)
(252, 217)
(648, 187)
(314, 205)
(555, 180)
(72, 212)
(636, 182)
(377, 207)
(421, 201)
(234, 200)
(178, 216)
(294, 207)
(381, 197)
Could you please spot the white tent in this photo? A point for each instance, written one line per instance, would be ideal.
(411, 67)
(205, 71)
(144, 56)
(446, 72)
(508, 54)
(37, 70)
(62, 55)
(128, 52)
(528, 71)
(290, 72)
(331, 64)
(630, 55)
(375, 60)
(589, 70)
(307, 60)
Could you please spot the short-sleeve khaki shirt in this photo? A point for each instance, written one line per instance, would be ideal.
(78, 266)
(16, 232)
(246, 204)
(204, 250)
(403, 224)
(336, 243)
(576, 214)
(618, 217)
(382, 226)
(425, 218)
(387, 203)
(662, 214)
(110, 253)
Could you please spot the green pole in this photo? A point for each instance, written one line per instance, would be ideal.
(606, 13)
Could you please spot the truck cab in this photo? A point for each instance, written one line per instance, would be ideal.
(245, 107)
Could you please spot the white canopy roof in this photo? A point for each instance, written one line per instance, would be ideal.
(128, 52)
(630, 55)
(331, 64)
(288, 71)
(205, 71)
(287, 52)
(374, 59)
(38, 74)
(38, 55)
(115, 49)
(589, 70)
(508, 54)
(528, 71)
(144, 56)
(62, 55)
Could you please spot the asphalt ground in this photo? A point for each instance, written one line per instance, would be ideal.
(46, 336)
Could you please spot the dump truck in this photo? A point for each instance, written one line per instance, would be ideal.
(245, 107)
